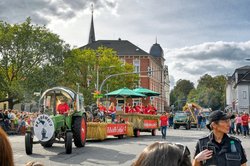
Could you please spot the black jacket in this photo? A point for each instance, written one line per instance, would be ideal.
(222, 155)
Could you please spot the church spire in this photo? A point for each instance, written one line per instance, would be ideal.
(92, 29)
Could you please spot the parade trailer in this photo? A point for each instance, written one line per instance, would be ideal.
(51, 127)
(131, 125)
(101, 130)
(142, 123)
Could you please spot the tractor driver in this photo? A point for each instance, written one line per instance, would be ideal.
(63, 107)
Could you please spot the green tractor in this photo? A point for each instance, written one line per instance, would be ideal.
(50, 126)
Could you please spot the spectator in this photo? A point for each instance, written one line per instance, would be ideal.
(171, 120)
(6, 155)
(2, 119)
(6, 120)
(12, 118)
(164, 124)
(164, 154)
(238, 122)
(232, 127)
(244, 119)
(199, 121)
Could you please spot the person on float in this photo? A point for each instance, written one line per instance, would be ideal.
(112, 111)
(218, 148)
(153, 110)
(146, 110)
(127, 108)
(102, 110)
(141, 108)
(63, 107)
(138, 108)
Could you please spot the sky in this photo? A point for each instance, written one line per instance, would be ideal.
(198, 36)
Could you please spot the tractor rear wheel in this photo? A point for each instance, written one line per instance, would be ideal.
(28, 143)
(80, 131)
(68, 142)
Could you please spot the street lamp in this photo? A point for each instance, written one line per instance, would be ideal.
(98, 74)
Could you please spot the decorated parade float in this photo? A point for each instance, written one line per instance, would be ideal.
(126, 123)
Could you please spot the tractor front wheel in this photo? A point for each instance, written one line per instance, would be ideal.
(80, 131)
(49, 143)
(68, 142)
(28, 143)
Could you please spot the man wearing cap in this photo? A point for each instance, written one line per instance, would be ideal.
(218, 148)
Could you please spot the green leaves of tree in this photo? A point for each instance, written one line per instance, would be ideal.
(24, 50)
(83, 67)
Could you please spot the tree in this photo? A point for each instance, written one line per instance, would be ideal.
(82, 66)
(24, 49)
(181, 91)
(206, 81)
(211, 91)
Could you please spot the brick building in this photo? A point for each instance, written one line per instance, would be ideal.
(157, 80)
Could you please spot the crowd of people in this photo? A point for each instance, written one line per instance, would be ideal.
(126, 108)
(239, 124)
(16, 122)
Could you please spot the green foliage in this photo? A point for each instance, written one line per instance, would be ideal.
(180, 93)
(25, 49)
(83, 66)
(210, 92)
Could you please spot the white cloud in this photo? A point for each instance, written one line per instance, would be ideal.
(214, 58)
(180, 27)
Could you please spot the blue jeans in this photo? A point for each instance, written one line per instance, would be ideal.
(112, 117)
(164, 131)
(246, 130)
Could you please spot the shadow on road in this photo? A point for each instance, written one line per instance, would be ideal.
(108, 156)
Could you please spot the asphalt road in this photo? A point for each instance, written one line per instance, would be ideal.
(112, 151)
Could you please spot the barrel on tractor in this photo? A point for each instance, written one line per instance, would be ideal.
(51, 127)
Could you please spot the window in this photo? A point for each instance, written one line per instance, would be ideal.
(244, 94)
(136, 64)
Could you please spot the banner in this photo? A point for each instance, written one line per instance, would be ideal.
(150, 124)
(116, 129)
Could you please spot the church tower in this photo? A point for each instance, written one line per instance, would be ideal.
(92, 29)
